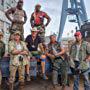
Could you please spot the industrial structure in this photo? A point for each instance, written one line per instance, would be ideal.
(4, 22)
(77, 12)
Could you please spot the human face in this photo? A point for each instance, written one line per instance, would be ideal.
(34, 33)
(78, 38)
(17, 37)
(37, 8)
(53, 39)
(20, 5)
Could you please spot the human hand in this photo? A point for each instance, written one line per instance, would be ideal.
(23, 52)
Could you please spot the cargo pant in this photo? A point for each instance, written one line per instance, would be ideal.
(17, 27)
(85, 79)
(60, 68)
(41, 33)
(21, 72)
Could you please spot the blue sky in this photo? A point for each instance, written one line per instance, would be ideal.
(53, 9)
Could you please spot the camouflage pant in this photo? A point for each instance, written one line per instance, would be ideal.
(17, 27)
(21, 72)
(60, 68)
(41, 33)
(63, 71)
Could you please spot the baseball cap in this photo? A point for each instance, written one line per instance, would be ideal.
(78, 33)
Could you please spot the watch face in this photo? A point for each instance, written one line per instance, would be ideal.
(33, 46)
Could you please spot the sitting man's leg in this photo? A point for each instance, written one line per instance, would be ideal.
(43, 64)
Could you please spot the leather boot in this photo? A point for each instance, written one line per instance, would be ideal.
(0, 87)
(11, 86)
(63, 87)
(28, 78)
(21, 86)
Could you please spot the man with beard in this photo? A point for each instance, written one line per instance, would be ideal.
(56, 53)
(80, 55)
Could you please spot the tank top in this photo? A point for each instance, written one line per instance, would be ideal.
(38, 18)
(18, 15)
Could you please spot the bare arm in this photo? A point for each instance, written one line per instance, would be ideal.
(8, 12)
(14, 51)
(61, 53)
(25, 17)
(41, 47)
(31, 20)
(48, 19)
(88, 51)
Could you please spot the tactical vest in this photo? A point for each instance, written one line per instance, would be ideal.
(82, 52)
(19, 16)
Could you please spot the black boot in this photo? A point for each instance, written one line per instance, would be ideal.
(11, 86)
(28, 78)
(0, 87)
(21, 86)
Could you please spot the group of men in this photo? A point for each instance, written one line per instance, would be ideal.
(79, 51)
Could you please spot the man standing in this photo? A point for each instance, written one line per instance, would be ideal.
(33, 42)
(79, 54)
(18, 55)
(37, 20)
(18, 18)
(2, 52)
(56, 53)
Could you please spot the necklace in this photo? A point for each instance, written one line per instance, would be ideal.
(33, 39)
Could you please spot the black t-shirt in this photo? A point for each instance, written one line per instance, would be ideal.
(32, 45)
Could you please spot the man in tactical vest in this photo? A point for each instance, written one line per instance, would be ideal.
(80, 55)
(56, 53)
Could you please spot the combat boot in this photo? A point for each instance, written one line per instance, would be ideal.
(63, 87)
(11, 86)
(21, 86)
(0, 87)
(28, 78)
(45, 77)
(57, 87)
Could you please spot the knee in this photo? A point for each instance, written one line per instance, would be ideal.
(43, 57)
